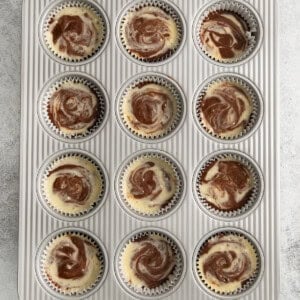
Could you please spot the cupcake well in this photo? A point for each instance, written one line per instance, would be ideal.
(49, 164)
(254, 198)
(175, 278)
(171, 205)
(41, 256)
(246, 12)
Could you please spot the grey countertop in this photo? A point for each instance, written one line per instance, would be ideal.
(10, 59)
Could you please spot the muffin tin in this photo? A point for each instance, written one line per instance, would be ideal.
(111, 69)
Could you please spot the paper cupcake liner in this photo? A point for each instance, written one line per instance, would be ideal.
(162, 80)
(50, 164)
(55, 8)
(175, 278)
(54, 85)
(244, 10)
(169, 8)
(256, 194)
(249, 285)
(57, 291)
(255, 99)
(172, 205)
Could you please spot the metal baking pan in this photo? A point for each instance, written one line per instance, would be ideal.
(112, 68)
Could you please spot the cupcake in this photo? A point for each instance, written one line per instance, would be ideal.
(225, 109)
(148, 262)
(74, 109)
(74, 31)
(226, 184)
(224, 35)
(73, 185)
(72, 264)
(227, 31)
(228, 108)
(151, 33)
(149, 185)
(150, 110)
(228, 263)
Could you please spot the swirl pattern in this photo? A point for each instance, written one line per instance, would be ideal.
(226, 185)
(70, 258)
(224, 35)
(227, 262)
(72, 184)
(225, 109)
(152, 109)
(150, 33)
(152, 261)
(73, 110)
(75, 32)
(145, 182)
(73, 264)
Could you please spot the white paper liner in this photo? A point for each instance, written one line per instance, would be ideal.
(175, 278)
(250, 284)
(170, 9)
(53, 86)
(57, 7)
(172, 205)
(178, 96)
(42, 178)
(255, 100)
(244, 10)
(41, 257)
(256, 193)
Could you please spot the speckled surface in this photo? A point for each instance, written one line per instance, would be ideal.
(10, 59)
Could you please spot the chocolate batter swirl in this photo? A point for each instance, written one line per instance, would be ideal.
(227, 260)
(70, 258)
(74, 34)
(226, 108)
(152, 109)
(73, 109)
(153, 261)
(224, 32)
(148, 34)
(72, 184)
(229, 187)
(145, 183)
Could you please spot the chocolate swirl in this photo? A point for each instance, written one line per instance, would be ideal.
(70, 258)
(152, 109)
(228, 183)
(226, 108)
(153, 261)
(227, 259)
(145, 183)
(73, 109)
(224, 32)
(72, 184)
(148, 33)
(74, 34)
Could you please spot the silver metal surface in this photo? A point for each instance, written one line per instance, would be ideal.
(111, 224)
